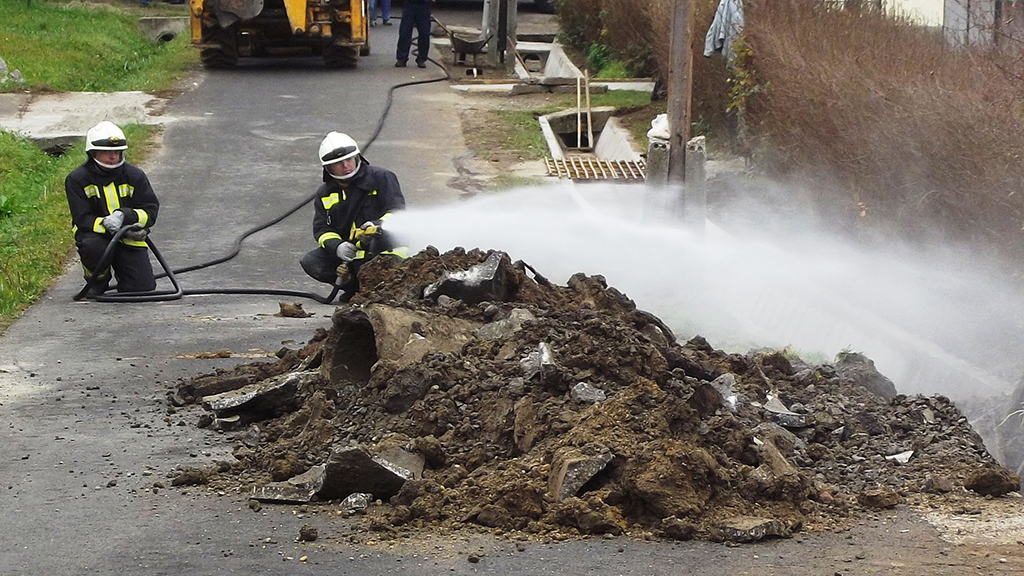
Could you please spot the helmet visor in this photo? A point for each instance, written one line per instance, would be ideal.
(339, 154)
(110, 143)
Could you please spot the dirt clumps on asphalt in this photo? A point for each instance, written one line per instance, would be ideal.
(464, 389)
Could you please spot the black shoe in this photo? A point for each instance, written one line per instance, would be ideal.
(421, 64)
(387, 22)
(97, 289)
(400, 64)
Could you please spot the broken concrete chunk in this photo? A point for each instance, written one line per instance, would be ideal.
(271, 397)
(784, 416)
(356, 501)
(536, 361)
(505, 328)
(491, 280)
(405, 337)
(745, 529)
(299, 489)
(572, 468)
(352, 469)
(725, 385)
(902, 457)
(587, 394)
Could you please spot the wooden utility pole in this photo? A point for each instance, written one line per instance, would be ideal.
(680, 82)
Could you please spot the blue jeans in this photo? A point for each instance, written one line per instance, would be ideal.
(385, 9)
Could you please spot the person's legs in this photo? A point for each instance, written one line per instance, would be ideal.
(90, 249)
(405, 33)
(321, 265)
(373, 12)
(423, 29)
(133, 270)
(385, 11)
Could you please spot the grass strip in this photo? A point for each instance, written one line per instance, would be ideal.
(82, 47)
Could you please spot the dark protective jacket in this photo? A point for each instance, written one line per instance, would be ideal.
(341, 206)
(94, 192)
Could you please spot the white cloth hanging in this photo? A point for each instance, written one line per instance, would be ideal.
(725, 29)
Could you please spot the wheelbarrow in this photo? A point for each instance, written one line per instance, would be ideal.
(463, 46)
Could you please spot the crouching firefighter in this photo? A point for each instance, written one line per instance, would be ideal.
(104, 194)
(349, 210)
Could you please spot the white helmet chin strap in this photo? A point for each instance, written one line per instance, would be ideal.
(110, 166)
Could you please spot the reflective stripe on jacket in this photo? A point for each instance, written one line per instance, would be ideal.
(342, 207)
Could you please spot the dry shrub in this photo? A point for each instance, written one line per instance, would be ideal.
(922, 137)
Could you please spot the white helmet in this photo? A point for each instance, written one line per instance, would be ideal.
(108, 137)
(337, 147)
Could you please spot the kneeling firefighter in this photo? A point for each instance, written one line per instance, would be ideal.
(349, 210)
(104, 194)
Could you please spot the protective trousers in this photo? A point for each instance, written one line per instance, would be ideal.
(415, 13)
(131, 264)
(323, 264)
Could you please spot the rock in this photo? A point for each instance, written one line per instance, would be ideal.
(992, 480)
(299, 489)
(586, 394)
(293, 310)
(308, 533)
(677, 529)
(490, 281)
(937, 485)
(571, 468)
(880, 498)
(505, 328)
(356, 501)
(744, 529)
(537, 361)
(272, 397)
(352, 469)
(784, 416)
(860, 370)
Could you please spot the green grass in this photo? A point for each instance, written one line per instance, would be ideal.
(35, 237)
(63, 45)
(78, 47)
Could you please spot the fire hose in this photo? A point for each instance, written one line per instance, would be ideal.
(177, 292)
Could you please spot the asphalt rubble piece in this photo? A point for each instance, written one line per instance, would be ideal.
(463, 390)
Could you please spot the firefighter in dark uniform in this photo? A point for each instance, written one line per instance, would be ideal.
(349, 209)
(104, 194)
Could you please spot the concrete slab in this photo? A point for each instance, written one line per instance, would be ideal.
(58, 120)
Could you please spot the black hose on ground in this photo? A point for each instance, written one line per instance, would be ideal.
(177, 292)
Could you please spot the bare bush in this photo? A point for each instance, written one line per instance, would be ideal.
(922, 137)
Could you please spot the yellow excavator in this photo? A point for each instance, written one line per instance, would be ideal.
(223, 30)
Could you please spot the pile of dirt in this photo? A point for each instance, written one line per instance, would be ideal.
(547, 409)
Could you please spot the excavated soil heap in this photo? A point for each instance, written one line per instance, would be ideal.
(686, 442)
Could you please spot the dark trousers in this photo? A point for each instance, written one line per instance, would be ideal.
(323, 264)
(131, 264)
(414, 14)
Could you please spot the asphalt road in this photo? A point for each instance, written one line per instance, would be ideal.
(86, 430)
